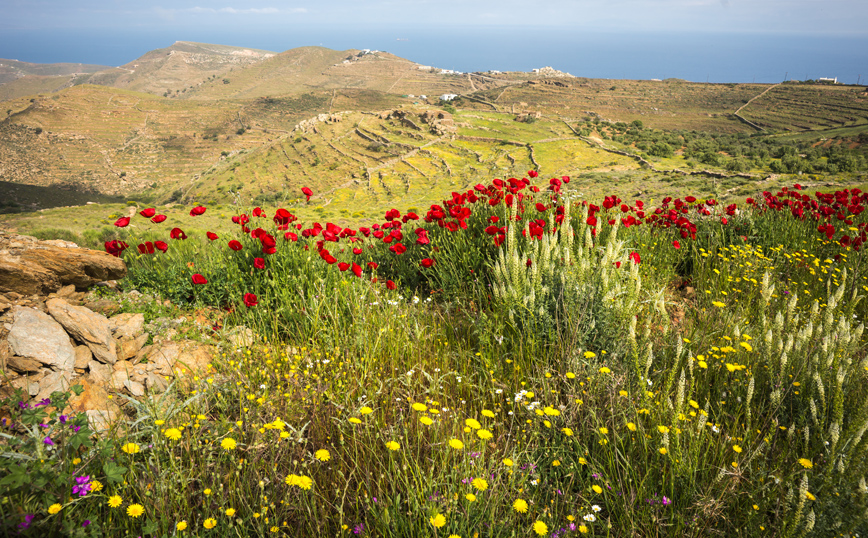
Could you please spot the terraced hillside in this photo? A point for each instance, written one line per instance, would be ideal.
(809, 107)
(13, 69)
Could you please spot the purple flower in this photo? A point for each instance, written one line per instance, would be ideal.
(63, 419)
(23, 405)
(666, 501)
(82, 486)
(359, 529)
(48, 441)
(26, 523)
(86, 523)
(42, 402)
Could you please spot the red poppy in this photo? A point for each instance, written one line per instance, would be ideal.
(532, 173)
(676, 244)
(158, 219)
(343, 266)
(357, 270)
(122, 222)
(148, 213)
(250, 300)
(259, 263)
(289, 236)
(307, 192)
(635, 258)
(390, 285)
(177, 233)
(199, 279)
(373, 265)
(398, 248)
(162, 246)
(235, 245)
(115, 247)
(212, 236)
(257, 212)
(723, 220)
(146, 247)
(426, 263)
(196, 211)
(528, 262)
(357, 251)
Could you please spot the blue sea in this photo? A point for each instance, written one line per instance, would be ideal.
(698, 57)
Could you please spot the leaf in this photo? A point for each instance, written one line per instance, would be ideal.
(113, 472)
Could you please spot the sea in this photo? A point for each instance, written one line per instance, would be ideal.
(694, 56)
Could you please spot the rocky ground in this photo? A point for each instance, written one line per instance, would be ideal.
(60, 326)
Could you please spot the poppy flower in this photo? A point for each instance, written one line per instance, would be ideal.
(307, 192)
(398, 248)
(259, 263)
(146, 247)
(390, 285)
(343, 266)
(158, 219)
(373, 265)
(250, 300)
(196, 211)
(122, 222)
(357, 251)
(162, 246)
(532, 173)
(235, 245)
(357, 270)
(177, 233)
(676, 244)
(115, 247)
(635, 258)
(257, 212)
(199, 279)
(148, 213)
(426, 263)
(212, 236)
(289, 236)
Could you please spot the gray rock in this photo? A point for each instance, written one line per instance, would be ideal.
(127, 325)
(82, 356)
(30, 386)
(172, 358)
(100, 373)
(36, 336)
(156, 383)
(130, 347)
(101, 419)
(125, 379)
(53, 382)
(87, 327)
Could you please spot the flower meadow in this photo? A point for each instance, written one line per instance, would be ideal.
(516, 361)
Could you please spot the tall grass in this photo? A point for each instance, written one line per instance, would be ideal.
(580, 393)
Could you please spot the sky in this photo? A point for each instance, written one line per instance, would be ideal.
(114, 32)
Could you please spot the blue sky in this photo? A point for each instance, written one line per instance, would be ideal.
(787, 16)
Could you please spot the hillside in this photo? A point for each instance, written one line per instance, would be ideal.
(177, 68)
(13, 69)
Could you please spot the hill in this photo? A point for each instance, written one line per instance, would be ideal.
(13, 69)
(177, 68)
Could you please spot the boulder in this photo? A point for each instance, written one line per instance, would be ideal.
(86, 326)
(28, 384)
(30, 267)
(127, 325)
(37, 336)
(124, 379)
(94, 400)
(23, 365)
(100, 373)
(130, 347)
(173, 358)
(83, 356)
(53, 382)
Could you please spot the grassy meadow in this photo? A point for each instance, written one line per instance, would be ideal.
(513, 360)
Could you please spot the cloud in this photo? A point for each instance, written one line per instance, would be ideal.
(170, 13)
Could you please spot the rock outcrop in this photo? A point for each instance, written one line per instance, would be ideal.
(29, 266)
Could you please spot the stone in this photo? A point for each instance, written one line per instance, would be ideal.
(100, 373)
(173, 358)
(123, 379)
(106, 307)
(86, 326)
(37, 336)
(127, 325)
(30, 386)
(66, 291)
(29, 266)
(156, 383)
(96, 402)
(23, 365)
(82, 356)
(54, 381)
(129, 348)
